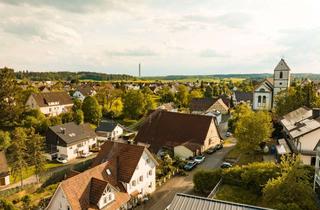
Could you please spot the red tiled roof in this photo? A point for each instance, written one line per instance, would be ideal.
(128, 158)
(170, 129)
(78, 188)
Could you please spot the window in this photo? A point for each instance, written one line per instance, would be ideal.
(150, 173)
(281, 75)
(280, 83)
(264, 100)
(133, 183)
(110, 197)
(68, 207)
(148, 160)
(141, 178)
(262, 90)
(150, 185)
(259, 99)
(105, 200)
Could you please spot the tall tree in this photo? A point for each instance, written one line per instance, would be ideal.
(166, 95)
(91, 110)
(252, 129)
(79, 116)
(11, 105)
(292, 189)
(18, 153)
(5, 140)
(208, 93)
(182, 96)
(35, 147)
(133, 104)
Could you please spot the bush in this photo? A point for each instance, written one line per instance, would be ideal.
(6, 205)
(205, 180)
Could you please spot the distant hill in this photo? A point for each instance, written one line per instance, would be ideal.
(229, 76)
(43, 76)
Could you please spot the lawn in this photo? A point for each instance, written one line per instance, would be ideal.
(243, 158)
(238, 195)
(30, 171)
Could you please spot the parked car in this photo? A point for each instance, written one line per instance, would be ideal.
(228, 134)
(84, 155)
(211, 150)
(226, 165)
(190, 165)
(62, 159)
(199, 159)
(219, 146)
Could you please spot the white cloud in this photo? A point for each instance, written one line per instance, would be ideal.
(185, 37)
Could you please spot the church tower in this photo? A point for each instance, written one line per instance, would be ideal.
(281, 78)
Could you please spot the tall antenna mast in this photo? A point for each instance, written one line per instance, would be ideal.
(139, 70)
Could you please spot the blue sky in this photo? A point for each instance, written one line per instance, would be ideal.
(166, 36)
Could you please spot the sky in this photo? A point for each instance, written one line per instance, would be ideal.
(168, 37)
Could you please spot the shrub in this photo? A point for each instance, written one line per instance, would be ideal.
(205, 180)
(6, 205)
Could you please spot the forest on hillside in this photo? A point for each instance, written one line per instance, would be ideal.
(65, 75)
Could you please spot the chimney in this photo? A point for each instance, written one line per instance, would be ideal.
(315, 113)
(63, 130)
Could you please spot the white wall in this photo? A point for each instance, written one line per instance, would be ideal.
(77, 94)
(58, 201)
(182, 152)
(143, 170)
(71, 152)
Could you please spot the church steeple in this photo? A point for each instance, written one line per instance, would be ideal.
(281, 77)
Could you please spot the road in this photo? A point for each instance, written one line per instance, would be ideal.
(163, 196)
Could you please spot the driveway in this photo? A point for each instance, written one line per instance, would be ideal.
(163, 196)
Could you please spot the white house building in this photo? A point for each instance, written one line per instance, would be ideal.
(264, 94)
(302, 132)
(109, 130)
(50, 103)
(136, 165)
(4, 170)
(82, 92)
(70, 140)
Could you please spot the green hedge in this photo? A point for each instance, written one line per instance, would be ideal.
(252, 177)
(205, 180)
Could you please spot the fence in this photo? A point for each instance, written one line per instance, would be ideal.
(215, 189)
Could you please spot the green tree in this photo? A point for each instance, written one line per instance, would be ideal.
(11, 105)
(66, 117)
(77, 104)
(79, 116)
(5, 140)
(26, 200)
(291, 190)
(133, 104)
(182, 96)
(295, 97)
(208, 93)
(253, 129)
(18, 153)
(35, 148)
(196, 93)
(91, 110)
(240, 110)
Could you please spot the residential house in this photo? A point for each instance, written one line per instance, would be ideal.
(239, 97)
(82, 92)
(191, 202)
(302, 132)
(135, 164)
(95, 188)
(70, 140)
(50, 103)
(4, 170)
(208, 105)
(183, 134)
(109, 130)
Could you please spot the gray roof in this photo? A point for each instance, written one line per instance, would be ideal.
(71, 132)
(106, 126)
(191, 202)
(243, 96)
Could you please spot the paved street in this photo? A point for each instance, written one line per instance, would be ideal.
(164, 195)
